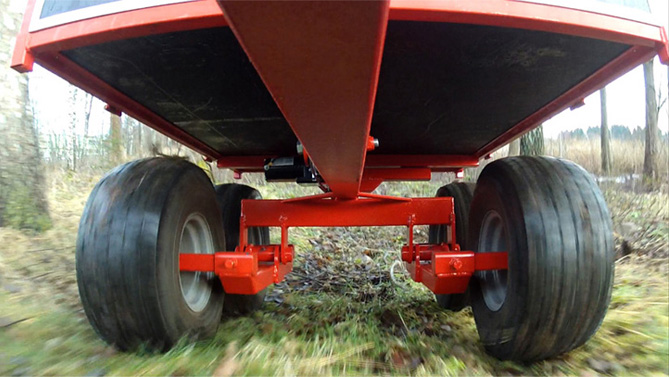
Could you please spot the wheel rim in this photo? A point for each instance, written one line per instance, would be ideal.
(493, 238)
(195, 238)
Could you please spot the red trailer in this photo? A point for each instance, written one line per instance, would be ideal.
(344, 95)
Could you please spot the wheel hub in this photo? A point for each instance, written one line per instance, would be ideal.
(195, 238)
(493, 238)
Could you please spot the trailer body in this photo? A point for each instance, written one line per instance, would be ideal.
(347, 95)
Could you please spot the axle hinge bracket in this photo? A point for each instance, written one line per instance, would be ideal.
(447, 272)
(246, 270)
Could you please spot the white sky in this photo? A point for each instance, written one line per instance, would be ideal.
(625, 97)
(626, 105)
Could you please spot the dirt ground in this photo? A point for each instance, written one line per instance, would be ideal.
(339, 312)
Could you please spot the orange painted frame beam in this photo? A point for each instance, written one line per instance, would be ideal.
(206, 13)
(320, 60)
(324, 210)
(530, 16)
(433, 161)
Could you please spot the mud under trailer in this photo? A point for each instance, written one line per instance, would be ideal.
(343, 95)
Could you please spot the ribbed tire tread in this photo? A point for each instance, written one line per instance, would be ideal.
(124, 262)
(560, 257)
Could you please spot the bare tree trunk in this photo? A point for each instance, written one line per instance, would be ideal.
(514, 148)
(605, 135)
(651, 152)
(116, 139)
(72, 160)
(22, 189)
(532, 143)
(139, 139)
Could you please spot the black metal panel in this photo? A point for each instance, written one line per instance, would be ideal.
(200, 80)
(443, 88)
(452, 88)
(53, 7)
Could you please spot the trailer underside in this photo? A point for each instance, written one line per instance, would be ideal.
(346, 95)
(482, 81)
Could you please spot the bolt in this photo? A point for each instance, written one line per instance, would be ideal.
(230, 264)
(456, 264)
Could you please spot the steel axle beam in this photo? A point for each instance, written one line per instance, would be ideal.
(443, 268)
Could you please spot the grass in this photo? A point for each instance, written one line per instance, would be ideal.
(354, 321)
(627, 155)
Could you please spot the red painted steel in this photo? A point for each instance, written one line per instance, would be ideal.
(435, 162)
(250, 268)
(422, 160)
(491, 261)
(373, 177)
(374, 211)
(320, 60)
(22, 58)
(530, 16)
(663, 48)
(197, 262)
(130, 24)
(448, 272)
(243, 279)
(206, 13)
(242, 272)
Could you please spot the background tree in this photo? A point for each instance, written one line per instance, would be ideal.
(116, 138)
(22, 189)
(532, 143)
(605, 135)
(652, 149)
(514, 148)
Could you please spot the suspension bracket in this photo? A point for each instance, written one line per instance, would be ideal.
(443, 268)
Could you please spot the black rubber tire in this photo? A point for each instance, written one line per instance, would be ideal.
(551, 217)
(462, 193)
(230, 198)
(127, 254)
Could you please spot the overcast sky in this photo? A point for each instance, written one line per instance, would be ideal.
(625, 97)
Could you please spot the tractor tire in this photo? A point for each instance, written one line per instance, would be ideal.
(230, 198)
(551, 218)
(137, 220)
(462, 193)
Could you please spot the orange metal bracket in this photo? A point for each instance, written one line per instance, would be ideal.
(448, 272)
(442, 268)
(245, 271)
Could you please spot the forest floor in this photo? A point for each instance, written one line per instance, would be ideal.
(338, 313)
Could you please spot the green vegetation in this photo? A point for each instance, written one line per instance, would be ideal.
(339, 313)
(23, 213)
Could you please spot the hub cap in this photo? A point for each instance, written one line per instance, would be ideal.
(493, 238)
(195, 239)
